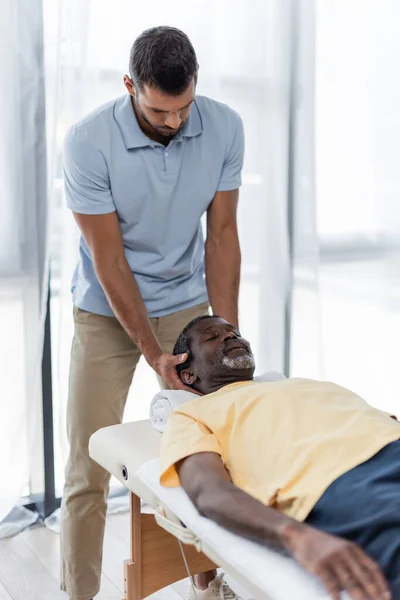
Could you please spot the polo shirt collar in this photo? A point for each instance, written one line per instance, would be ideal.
(132, 134)
(193, 125)
(124, 115)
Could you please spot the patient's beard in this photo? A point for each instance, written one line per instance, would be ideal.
(239, 363)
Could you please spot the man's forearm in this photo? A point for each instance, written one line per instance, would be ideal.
(240, 513)
(127, 304)
(222, 266)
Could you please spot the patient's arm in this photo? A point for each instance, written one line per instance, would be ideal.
(205, 479)
(340, 565)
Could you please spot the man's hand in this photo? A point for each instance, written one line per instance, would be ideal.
(339, 564)
(165, 365)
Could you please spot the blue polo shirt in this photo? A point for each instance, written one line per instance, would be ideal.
(159, 193)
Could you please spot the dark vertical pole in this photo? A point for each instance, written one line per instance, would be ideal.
(49, 503)
(294, 27)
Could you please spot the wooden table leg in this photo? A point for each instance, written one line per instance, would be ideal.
(133, 567)
(156, 560)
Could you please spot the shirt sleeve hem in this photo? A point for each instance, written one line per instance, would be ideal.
(227, 186)
(169, 475)
(103, 209)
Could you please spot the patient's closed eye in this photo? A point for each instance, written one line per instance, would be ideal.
(212, 337)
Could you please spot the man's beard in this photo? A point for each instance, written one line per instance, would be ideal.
(240, 362)
(244, 361)
(164, 132)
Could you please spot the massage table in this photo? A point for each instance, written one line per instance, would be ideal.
(130, 452)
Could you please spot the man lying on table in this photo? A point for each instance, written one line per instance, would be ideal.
(302, 465)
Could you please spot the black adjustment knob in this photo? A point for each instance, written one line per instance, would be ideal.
(125, 473)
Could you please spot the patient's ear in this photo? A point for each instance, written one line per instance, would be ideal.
(188, 377)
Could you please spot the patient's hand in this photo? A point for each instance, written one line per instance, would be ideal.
(341, 565)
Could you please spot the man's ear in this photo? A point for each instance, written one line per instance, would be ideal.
(129, 85)
(188, 377)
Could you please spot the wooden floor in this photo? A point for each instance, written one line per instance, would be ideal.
(29, 565)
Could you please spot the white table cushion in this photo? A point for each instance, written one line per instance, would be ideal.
(265, 573)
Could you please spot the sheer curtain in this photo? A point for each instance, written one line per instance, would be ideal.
(246, 60)
(245, 56)
(353, 281)
(23, 249)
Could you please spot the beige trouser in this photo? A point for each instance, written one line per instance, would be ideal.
(103, 360)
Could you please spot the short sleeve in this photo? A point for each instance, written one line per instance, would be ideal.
(86, 181)
(183, 437)
(231, 176)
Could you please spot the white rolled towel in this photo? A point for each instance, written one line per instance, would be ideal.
(166, 401)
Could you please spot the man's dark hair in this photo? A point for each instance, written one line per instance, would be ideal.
(163, 58)
(182, 344)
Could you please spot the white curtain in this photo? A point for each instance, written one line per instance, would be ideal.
(346, 298)
(245, 54)
(23, 248)
(326, 220)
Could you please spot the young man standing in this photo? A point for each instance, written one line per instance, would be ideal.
(140, 172)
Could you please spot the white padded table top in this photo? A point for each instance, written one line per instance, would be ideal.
(128, 445)
(264, 572)
(136, 447)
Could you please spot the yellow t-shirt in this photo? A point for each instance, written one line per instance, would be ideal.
(282, 442)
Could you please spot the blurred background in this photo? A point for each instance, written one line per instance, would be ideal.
(319, 215)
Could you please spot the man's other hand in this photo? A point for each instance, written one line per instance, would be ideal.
(165, 365)
(339, 564)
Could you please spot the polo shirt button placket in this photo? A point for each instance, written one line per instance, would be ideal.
(165, 160)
